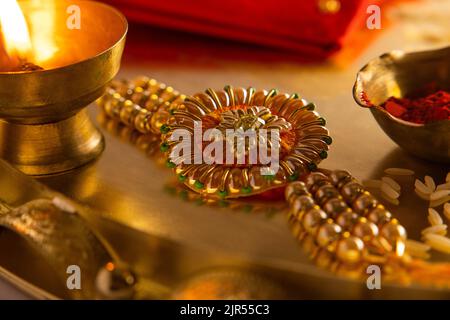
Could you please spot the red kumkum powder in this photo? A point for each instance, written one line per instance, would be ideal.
(421, 107)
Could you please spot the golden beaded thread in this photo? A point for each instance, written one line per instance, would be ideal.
(142, 104)
(149, 143)
(345, 229)
(345, 224)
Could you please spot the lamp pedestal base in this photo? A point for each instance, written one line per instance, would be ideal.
(43, 149)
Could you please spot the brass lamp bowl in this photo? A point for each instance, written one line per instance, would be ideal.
(45, 128)
(397, 74)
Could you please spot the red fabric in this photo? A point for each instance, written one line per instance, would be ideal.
(294, 25)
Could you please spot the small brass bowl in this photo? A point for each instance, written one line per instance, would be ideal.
(397, 74)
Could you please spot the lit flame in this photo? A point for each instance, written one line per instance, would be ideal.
(42, 24)
(15, 32)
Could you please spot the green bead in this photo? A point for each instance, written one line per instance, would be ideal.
(323, 154)
(322, 121)
(170, 164)
(198, 185)
(293, 177)
(312, 166)
(310, 106)
(328, 140)
(164, 147)
(269, 177)
(164, 129)
(172, 112)
(222, 193)
(246, 190)
(181, 178)
(295, 96)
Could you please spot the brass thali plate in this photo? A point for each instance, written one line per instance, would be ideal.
(174, 238)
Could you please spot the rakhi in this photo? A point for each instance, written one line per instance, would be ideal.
(342, 226)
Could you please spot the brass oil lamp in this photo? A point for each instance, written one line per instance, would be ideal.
(56, 57)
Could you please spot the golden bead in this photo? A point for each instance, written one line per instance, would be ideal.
(335, 206)
(351, 191)
(313, 178)
(365, 229)
(297, 229)
(364, 203)
(160, 117)
(295, 188)
(346, 219)
(142, 121)
(328, 233)
(112, 105)
(324, 258)
(393, 232)
(138, 95)
(129, 92)
(142, 82)
(125, 89)
(338, 175)
(308, 244)
(343, 182)
(325, 193)
(349, 250)
(379, 215)
(313, 219)
(301, 204)
(167, 94)
(128, 112)
(319, 184)
(152, 103)
(156, 87)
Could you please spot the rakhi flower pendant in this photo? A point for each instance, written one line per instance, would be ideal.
(299, 133)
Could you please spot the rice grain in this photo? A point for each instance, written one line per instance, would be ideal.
(447, 210)
(429, 181)
(393, 201)
(389, 191)
(437, 195)
(444, 186)
(392, 183)
(422, 195)
(437, 203)
(434, 217)
(440, 229)
(419, 254)
(438, 242)
(399, 172)
(417, 245)
(417, 249)
(422, 187)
